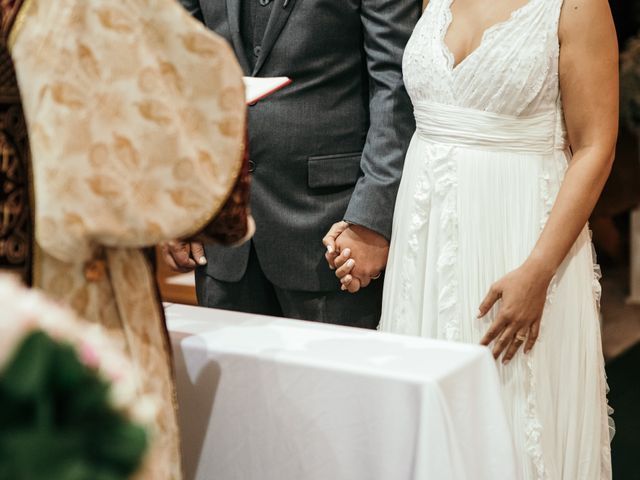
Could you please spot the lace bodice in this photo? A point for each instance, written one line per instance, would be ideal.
(514, 71)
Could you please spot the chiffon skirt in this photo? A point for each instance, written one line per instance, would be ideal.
(464, 218)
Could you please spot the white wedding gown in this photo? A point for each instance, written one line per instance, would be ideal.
(481, 176)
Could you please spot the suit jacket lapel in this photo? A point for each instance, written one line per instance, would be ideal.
(279, 16)
(233, 15)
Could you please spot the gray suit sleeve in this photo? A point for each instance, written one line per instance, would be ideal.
(193, 7)
(387, 26)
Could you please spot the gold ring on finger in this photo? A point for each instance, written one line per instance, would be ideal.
(521, 337)
(377, 276)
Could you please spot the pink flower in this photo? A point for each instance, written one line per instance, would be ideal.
(89, 356)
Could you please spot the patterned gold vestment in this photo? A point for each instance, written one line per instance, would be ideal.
(15, 218)
(135, 115)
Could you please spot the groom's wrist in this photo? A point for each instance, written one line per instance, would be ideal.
(376, 227)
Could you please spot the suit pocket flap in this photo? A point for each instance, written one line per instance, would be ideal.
(334, 170)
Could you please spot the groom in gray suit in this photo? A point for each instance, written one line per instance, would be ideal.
(326, 149)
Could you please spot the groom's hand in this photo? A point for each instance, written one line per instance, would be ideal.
(368, 252)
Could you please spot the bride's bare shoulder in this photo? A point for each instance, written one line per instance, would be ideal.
(586, 18)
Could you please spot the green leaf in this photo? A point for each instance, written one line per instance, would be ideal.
(123, 446)
(26, 374)
(56, 421)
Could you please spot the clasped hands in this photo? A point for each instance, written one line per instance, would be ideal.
(356, 253)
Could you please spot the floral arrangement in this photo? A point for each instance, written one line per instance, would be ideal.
(68, 405)
(630, 84)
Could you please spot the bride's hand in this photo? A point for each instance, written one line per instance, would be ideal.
(345, 266)
(523, 294)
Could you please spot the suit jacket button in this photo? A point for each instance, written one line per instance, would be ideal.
(252, 166)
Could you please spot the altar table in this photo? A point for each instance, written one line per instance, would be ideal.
(264, 398)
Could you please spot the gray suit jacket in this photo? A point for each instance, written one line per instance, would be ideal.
(331, 146)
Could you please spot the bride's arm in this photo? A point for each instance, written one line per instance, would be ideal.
(589, 86)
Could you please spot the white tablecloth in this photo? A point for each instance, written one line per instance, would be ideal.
(272, 399)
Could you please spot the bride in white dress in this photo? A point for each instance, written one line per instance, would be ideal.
(516, 111)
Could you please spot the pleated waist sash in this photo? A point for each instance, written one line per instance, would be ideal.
(475, 129)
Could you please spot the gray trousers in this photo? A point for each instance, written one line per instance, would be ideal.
(254, 293)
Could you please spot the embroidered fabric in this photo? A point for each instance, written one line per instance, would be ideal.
(9, 10)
